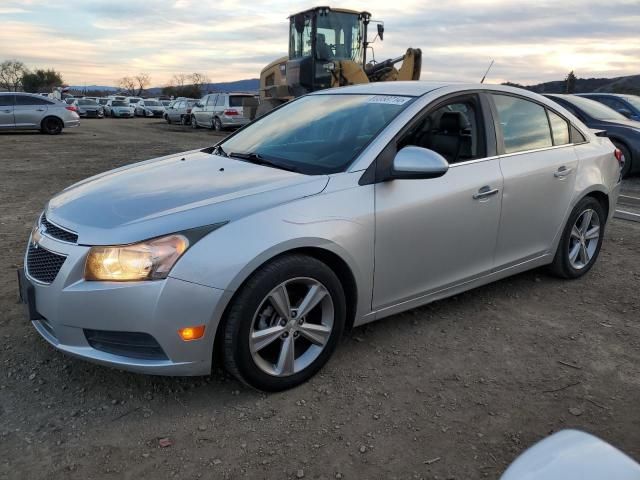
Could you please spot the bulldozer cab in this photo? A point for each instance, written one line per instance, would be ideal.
(317, 38)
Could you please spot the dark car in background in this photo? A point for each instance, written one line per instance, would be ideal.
(624, 133)
(88, 108)
(627, 105)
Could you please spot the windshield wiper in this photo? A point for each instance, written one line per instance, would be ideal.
(260, 160)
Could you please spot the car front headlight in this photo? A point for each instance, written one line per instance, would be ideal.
(148, 260)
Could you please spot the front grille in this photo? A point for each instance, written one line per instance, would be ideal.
(126, 344)
(57, 232)
(42, 264)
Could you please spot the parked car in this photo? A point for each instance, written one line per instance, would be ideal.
(627, 105)
(133, 100)
(102, 101)
(220, 111)
(572, 455)
(180, 111)
(624, 133)
(149, 108)
(166, 103)
(118, 108)
(69, 99)
(25, 111)
(267, 241)
(117, 97)
(88, 108)
(95, 99)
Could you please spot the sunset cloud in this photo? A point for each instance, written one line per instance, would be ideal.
(98, 41)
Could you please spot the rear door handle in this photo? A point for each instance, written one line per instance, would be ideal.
(562, 172)
(485, 192)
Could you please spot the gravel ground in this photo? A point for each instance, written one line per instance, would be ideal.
(453, 390)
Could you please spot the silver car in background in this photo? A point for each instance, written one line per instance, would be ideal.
(118, 109)
(220, 110)
(264, 245)
(25, 111)
(88, 108)
(149, 108)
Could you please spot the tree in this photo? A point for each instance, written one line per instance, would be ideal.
(41, 81)
(135, 86)
(199, 80)
(11, 73)
(184, 85)
(570, 83)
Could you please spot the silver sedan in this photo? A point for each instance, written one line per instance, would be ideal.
(25, 111)
(339, 208)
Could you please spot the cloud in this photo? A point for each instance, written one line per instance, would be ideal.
(102, 40)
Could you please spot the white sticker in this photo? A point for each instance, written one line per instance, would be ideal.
(389, 99)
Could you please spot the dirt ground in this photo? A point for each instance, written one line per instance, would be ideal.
(453, 390)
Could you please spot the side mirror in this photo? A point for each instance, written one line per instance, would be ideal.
(381, 31)
(625, 112)
(418, 163)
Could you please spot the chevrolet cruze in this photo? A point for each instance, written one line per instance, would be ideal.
(337, 209)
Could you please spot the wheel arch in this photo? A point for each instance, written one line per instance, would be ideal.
(632, 152)
(51, 116)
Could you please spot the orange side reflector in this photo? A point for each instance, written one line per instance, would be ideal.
(191, 333)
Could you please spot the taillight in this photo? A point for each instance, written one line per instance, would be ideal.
(619, 156)
(230, 113)
(72, 108)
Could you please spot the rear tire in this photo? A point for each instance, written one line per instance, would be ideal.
(627, 157)
(259, 358)
(184, 120)
(217, 124)
(194, 122)
(581, 240)
(167, 119)
(51, 126)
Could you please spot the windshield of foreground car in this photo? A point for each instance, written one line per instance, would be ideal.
(317, 134)
(594, 109)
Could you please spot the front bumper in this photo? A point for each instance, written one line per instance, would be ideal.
(69, 308)
(117, 113)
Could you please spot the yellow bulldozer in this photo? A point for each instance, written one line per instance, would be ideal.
(328, 48)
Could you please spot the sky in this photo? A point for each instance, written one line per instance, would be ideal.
(99, 41)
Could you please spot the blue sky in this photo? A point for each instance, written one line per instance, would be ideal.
(99, 41)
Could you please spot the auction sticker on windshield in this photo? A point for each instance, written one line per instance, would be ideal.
(389, 99)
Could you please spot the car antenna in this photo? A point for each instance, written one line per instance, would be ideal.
(485, 73)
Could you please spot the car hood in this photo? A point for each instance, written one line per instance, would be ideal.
(171, 194)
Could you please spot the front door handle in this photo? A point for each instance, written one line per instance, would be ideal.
(6, 111)
(485, 192)
(562, 172)
(40, 109)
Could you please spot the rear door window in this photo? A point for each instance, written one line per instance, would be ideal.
(220, 101)
(524, 124)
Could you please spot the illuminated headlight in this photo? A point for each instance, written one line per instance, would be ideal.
(149, 260)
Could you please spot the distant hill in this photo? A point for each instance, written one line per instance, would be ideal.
(93, 88)
(249, 85)
(629, 84)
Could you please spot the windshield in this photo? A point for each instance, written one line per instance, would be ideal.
(103, 101)
(633, 100)
(134, 100)
(166, 103)
(151, 103)
(119, 103)
(594, 109)
(338, 35)
(317, 134)
(86, 102)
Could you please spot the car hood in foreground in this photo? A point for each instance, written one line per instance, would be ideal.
(171, 194)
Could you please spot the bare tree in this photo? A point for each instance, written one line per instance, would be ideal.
(143, 80)
(179, 79)
(199, 80)
(11, 73)
(135, 86)
(127, 85)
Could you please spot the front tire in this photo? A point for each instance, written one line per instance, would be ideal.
(51, 126)
(194, 122)
(284, 323)
(184, 120)
(581, 240)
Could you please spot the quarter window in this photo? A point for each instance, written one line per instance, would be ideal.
(524, 124)
(559, 128)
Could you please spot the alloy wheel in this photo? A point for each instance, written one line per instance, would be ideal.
(291, 327)
(584, 238)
